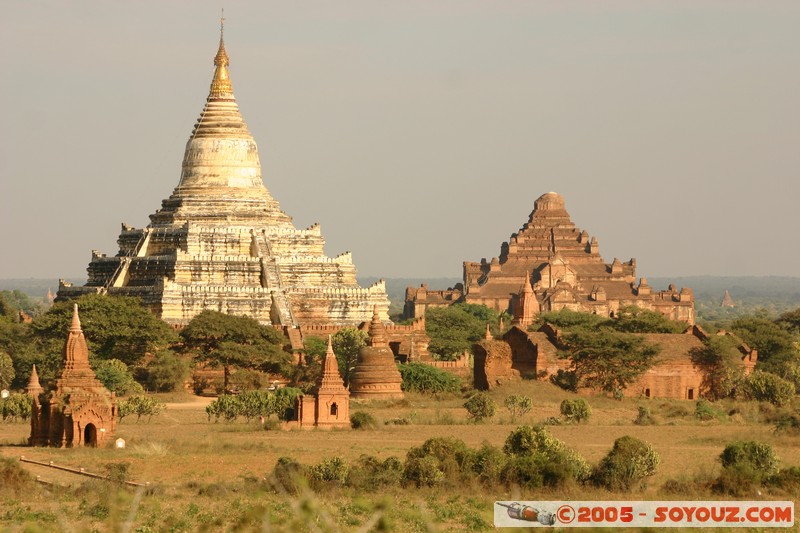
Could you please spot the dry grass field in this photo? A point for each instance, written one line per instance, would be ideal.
(216, 476)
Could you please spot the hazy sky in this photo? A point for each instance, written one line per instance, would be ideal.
(418, 133)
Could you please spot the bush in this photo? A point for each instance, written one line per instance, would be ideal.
(419, 377)
(788, 479)
(577, 410)
(644, 417)
(116, 377)
(489, 463)
(745, 465)
(750, 453)
(767, 387)
(16, 406)
(566, 380)
(166, 372)
(450, 456)
(704, 410)
(140, 406)
(423, 472)
(789, 424)
(480, 406)
(518, 405)
(536, 440)
(13, 478)
(626, 466)
(333, 470)
(226, 406)
(288, 474)
(362, 420)
(370, 473)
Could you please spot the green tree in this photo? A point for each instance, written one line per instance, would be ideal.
(480, 406)
(632, 319)
(518, 405)
(720, 360)
(608, 360)
(454, 329)
(308, 372)
(116, 377)
(419, 377)
(7, 372)
(346, 344)
(767, 387)
(570, 320)
(790, 320)
(626, 466)
(166, 371)
(16, 406)
(577, 410)
(115, 327)
(230, 341)
(775, 345)
(140, 406)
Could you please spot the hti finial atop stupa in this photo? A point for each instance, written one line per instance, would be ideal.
(331, 380)
(34, 388)
(221, 84)
(76, 351)
(377, 333)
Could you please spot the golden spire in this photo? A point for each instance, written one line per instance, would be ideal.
(221, 84)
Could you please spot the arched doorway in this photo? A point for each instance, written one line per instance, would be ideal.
(90, 435)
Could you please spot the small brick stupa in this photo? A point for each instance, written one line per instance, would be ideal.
(330, 406)
(79, 411)
(376, 375)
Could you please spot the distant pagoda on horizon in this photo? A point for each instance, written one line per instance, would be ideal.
(222, 242)
(727, 301)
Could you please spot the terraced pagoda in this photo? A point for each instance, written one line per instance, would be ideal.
(222, 242)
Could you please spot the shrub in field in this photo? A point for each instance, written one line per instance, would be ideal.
(166, 372)
(577, 410)
(788, 479)
(370, 473)
(140, 406)
(285, 401)
(566, 380)
(626, 466)
(226, 406)
(419, 377)
(333, 470)
(254, 403)
(16, 406)
(704, 410)
(362, 420)
(288, 475)
(644, 417)
(423, 472)
(480, 407)
(13, 478)
(750, 453)
(745, 464)
(450, 455)
(518, 405)
(488, 463)
(789, 424)
(767, 387)
(537, 441)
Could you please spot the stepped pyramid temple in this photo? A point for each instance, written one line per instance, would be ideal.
(549, 265)
(79, 411)
(221, 242)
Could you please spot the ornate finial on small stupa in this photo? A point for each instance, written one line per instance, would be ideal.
(34, 387)
(377, 333)
(221, 84)
(526, 288)
(76, 320)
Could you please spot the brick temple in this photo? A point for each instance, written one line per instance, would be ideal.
(549, 265)
(222, 242)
